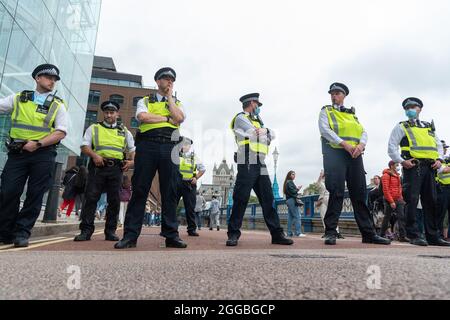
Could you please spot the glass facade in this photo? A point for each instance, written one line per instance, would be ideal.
(118, 83)
(61, 32)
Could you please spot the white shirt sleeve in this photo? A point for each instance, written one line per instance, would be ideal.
(200, 166)
(440, 148)
(7, 104)
(87, 139)
(130, 142)
(62, 119)
(364, 138)
(141, 108)
(325, 129)
(397, 136)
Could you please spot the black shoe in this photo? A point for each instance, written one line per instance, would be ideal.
(232, 242)
(193, 234)
(218, 228)
(440, 243)
(419, 242)
(82, 237)
(21, 243)
(282, 240)
(403, 240)
(175, 243)
(111, 237)
(210, 229)
(6, 242)
(340, 236)
(377, 240)
(125, 244)
(330, 240)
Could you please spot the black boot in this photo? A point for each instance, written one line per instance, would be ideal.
(175, 243)
(21, 243)
(125, 244)
(282, 240)
(111, 237)
(377, 240)
(232, 241)
(83, 236)
(330, 240)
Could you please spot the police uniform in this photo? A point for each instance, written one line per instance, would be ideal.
(154, 146)
(189, 167)
(338, 124)
(417, 140)
(252, 174)
(34, 116)
(111, 142)
(443, 189)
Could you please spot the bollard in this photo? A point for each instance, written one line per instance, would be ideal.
(51, 208)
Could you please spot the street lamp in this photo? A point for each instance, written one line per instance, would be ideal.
(276, 189)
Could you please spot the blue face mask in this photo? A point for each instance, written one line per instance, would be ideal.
(257, 111)
(411, 114)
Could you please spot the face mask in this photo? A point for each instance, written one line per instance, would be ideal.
(257, 111)
(411, 113)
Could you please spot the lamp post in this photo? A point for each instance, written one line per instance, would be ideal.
(276, 189)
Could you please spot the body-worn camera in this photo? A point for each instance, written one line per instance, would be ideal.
(15, 146)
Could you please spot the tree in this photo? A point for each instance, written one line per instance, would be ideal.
(312, 189)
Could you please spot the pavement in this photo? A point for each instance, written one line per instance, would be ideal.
(58, 268)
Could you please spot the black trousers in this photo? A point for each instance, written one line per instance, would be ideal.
(152, 157)
(37, 168)
(443, 207)
(253, 177)
(401, 221)
(100, 180)
(189, 193)
(340, 168)
(420, 181)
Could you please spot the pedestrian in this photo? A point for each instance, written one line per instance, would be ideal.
(214, 214)
(253, 141)
(322, 202)
(102, 204)
(393, 201)
(125, 196)
(443, 188)
(199, 206)
(80, 185)
(160, 115)
(70, 191)
(147, 216)
(376, 204)
(39, 122)
(110, 147)
(291, 192)
(190, 171)
(421, 157)
(343, 143)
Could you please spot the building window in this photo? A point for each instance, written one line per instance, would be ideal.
(117, 98)
(94, 97)
(134, 123)
(136, 100)
(91, 118)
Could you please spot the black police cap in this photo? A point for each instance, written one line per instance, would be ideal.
(46, 69)
(166, 72)
(339, 87)
(251, 97)
(412, 102)
(110, 105)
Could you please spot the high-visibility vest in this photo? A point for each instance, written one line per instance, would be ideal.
(160, 109)
(255, 146)
(109, 143)
(346, 125)
(444, 178)
(30, 121)
(422, 141)
(188, 167)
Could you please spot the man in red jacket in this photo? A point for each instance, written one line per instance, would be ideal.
(393, 197)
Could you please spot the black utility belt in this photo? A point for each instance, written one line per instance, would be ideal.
(113, 162)
(444, 186)
(423, 161)
(160, 140)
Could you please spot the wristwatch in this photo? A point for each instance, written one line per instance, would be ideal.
(39, 144)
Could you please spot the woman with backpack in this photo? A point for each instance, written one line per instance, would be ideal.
(291, 191)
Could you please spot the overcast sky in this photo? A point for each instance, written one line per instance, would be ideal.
(290, 52)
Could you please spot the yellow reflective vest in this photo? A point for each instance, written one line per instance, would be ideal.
(444, 178)
(188, 167)
(255, 146)
(30, 121)
(422, 141)
(109, 143)
(160, 109)
(346, 125)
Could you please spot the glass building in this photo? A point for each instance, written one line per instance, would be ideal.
(61, 32)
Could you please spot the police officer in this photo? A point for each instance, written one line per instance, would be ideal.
(107, 144)
(190, 171)
(343, 142)
(160, 116)
(39, 122)
(421, 156)
(443, 189)
(253, 141)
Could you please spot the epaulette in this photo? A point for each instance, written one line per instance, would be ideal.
(26, 96)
